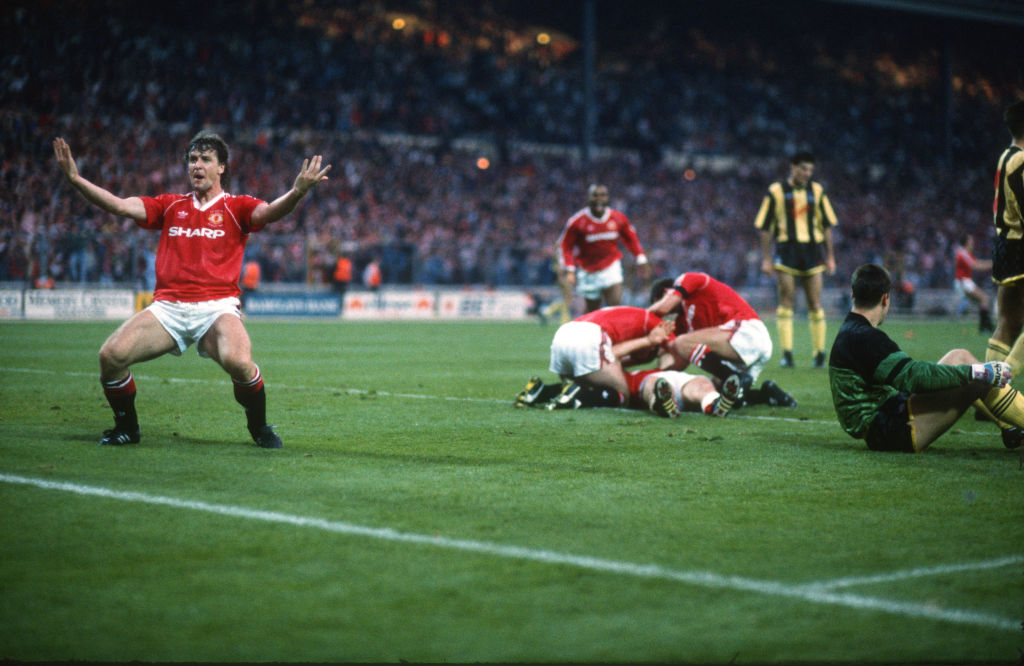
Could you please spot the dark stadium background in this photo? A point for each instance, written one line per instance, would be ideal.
(900, 101)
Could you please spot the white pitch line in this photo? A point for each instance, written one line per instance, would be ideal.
(920, 572)
(697, 578)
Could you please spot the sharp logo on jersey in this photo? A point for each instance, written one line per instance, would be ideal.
(215, 219)
(192, 233)
(605, 235)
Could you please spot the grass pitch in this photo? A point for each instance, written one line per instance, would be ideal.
(415, 515)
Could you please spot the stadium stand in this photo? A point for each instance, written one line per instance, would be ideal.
(404, 114)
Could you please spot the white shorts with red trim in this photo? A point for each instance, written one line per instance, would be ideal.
(752, 342)
(964, 286)
(590, 285)
(677, 379)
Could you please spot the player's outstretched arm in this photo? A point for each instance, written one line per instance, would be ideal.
(309, 177)
(131, 207)
(667, 303)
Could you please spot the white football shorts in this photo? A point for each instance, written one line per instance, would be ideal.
(580, 348)
(677, 379)
(590, 285)
(188, 322)
(964, 286)
(752, 342)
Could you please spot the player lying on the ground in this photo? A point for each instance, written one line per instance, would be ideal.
(589, 353)
(664, 392)
(719, 332)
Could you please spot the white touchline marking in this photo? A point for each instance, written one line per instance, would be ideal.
(920, 572)
(812, 593)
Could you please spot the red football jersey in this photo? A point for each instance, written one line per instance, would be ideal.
(964, 264)
(592, 243)
(199, 257)
(708, 302)
(623, 322)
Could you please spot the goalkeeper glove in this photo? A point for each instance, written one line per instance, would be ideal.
(996, 373)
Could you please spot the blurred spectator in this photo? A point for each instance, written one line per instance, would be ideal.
(342, 276)
(372, 277)
(251, 276)
(406, 113)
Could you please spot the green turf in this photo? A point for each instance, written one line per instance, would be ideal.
(409, 427)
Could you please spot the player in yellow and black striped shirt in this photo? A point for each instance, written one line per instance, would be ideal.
(1008, 251)
(797, 215)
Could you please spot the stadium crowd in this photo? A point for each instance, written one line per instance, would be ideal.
(694, 120)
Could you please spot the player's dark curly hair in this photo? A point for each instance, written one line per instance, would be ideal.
(658, 289)
(1014, 118)
(870, 282)
(801, 157)
(206, 140)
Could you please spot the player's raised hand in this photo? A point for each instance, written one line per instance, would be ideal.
(62, 151)
(311, 174)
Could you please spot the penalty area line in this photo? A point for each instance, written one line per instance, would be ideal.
(919, 572)
(814, 594)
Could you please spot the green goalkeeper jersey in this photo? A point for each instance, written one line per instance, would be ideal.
(866, 368)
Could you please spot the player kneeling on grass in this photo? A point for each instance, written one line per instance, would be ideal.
(589, 353)
(895, 403)
(719, 332)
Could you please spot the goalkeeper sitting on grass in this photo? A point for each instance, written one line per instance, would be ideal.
(896, 403)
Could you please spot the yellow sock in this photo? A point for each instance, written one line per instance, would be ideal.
(996, 350)
(1015, 357)
(980, 406)
(784, 321)
(566, 313)
(816, 319)
(1006, 406)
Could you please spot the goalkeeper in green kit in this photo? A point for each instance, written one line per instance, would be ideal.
(895, 403)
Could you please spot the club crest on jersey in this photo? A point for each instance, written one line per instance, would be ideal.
(215, 219)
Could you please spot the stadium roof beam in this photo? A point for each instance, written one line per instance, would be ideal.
(1007, 12)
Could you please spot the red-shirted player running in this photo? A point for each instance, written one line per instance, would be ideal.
(589, 254)
(964, 265)
(199, 258)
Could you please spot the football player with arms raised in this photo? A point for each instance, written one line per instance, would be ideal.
(199, 258)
